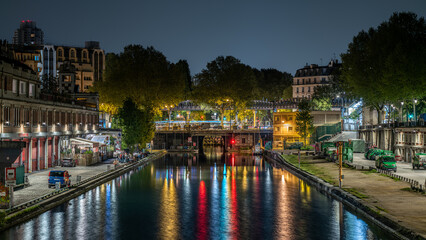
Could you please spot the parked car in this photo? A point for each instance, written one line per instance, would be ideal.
(296, 145)
(386, 162)
(419, 160)
(68, 162)
(63, 177)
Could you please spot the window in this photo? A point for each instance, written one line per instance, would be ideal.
(72, 54)
(315, 80)
(243, 140)
(303, 89)
(309, 89)
(49, 118)
(15, 86)
(62, 118)
(35, 117)
(22, 89)
(43, 117)
(60, 52)
(17, 117)
(297, 90)
(6, 116)
(323, 79)
(26, 117)
(277, 119)
(290, 129)
(277, 129)
(32, 90)
(37, 58)
(84, 55)
(290, 118)
(297, 81)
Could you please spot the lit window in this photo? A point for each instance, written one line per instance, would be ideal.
(15, 86)
(32, 90)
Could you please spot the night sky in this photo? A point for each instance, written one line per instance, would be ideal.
(263, 34)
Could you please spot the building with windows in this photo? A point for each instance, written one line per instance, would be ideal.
(306, 79)
(43, 122)
(89, 63)
(46, 60)
(28, 34)
(285, 128)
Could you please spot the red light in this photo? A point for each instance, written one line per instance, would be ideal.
(232, 141)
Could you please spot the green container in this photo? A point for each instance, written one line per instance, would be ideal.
(358, 145)
(20, 175)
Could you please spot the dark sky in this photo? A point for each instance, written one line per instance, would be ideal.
(280, 34)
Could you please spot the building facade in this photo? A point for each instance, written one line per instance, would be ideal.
(405, 141)
(46, 60)
(89, 63)
(306, 79)
(285, 128)
(44, 123)
(28, 34)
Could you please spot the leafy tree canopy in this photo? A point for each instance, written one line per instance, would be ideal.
(145, 76)
(225, 83)
(137, 124)
(272, 83)
(387, 64)
(304, 120)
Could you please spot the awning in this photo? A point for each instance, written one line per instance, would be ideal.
(82, 141)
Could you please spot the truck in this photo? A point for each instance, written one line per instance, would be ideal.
(419, 161)
(374, 153)
(386, 162)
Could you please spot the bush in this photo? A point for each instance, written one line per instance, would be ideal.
(308, 148)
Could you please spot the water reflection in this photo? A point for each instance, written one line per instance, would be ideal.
(215, 196)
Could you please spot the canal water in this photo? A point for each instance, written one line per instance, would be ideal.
(212, 196)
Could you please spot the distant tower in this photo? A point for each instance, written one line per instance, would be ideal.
(28, 34)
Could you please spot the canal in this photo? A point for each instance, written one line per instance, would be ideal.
(212, 196)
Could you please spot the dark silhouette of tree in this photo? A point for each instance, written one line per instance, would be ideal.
(137, 125)
(387, 64)
(226, 83)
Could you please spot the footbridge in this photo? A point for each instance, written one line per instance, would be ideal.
(182, 140)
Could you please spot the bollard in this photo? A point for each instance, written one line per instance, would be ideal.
(78, 179)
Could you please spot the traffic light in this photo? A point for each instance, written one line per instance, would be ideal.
(232, 141)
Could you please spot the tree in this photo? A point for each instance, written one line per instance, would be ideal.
(387, 64)
(288, 92)
(272, 83)
(50, 85)
(145, 76)
(225, 84)
(322, 97)
(137, 125)
(183, 66)
(304, 120)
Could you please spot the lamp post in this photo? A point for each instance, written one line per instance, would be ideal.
(402, 106)
(414, 106)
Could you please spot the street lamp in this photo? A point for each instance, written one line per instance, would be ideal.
(414, 106)
(402, 106)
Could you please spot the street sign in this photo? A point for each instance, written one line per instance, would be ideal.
(148, 145)
(10, 177)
